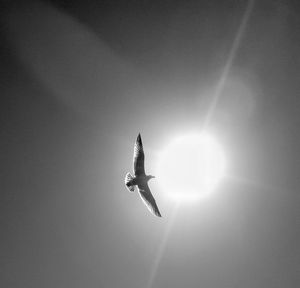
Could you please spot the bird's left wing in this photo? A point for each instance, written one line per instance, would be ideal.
(138, 157)
(148, 199)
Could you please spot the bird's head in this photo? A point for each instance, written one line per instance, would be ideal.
(150, 177)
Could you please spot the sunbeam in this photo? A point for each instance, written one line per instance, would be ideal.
(78, 67)
(162, 246)
(229, 61)
(210, 112)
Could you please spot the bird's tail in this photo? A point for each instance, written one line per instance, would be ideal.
(128, 182)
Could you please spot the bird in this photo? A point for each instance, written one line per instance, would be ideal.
(140, 179)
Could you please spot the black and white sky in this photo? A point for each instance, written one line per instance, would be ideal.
(80, 79)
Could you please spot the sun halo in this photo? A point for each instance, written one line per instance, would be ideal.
(190, 167)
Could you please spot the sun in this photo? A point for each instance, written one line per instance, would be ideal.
(190, 167)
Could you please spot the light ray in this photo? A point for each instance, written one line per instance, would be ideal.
(162, 246)
(228, 64)
(73, 77)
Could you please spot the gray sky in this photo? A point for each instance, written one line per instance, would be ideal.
(80, 79)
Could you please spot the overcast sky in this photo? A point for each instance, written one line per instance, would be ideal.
(80, 79)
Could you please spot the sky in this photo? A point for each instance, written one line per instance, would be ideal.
(80, 79)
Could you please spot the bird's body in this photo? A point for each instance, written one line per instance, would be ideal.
(140, 179)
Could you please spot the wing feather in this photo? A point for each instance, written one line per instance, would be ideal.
(138, 157)
(148, 199)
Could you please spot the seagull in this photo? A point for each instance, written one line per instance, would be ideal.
(140, 179)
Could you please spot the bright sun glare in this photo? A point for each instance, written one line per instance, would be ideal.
(190, 167)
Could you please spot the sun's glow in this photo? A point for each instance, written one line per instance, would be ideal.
(190, 167)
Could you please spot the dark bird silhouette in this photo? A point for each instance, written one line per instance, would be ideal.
(140, 179)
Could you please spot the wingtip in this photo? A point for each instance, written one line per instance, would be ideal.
(158, 214)
(139, 138)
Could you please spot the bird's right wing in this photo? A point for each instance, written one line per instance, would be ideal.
(148, 199)
(138, 157)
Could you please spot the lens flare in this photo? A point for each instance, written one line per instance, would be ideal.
(190, 167)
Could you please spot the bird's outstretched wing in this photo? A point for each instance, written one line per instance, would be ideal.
(148, 199)
(138, 157)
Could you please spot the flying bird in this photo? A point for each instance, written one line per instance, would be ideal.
(140, 179)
